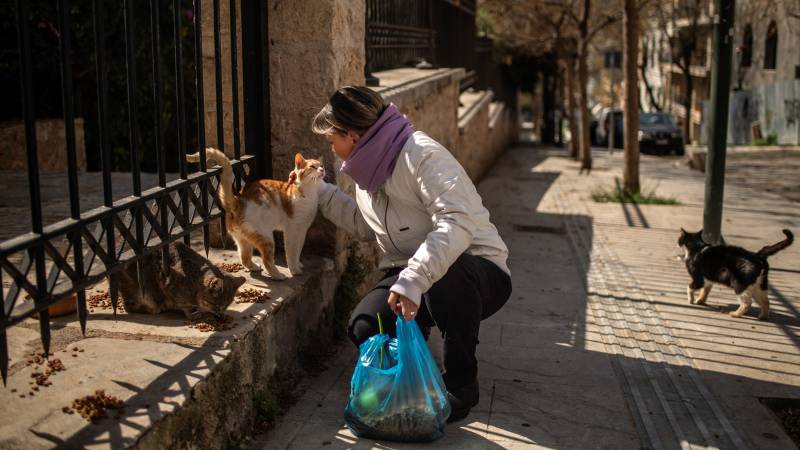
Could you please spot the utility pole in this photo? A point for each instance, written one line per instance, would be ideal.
(720, 93)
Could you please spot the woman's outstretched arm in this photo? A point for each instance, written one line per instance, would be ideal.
(342, 210)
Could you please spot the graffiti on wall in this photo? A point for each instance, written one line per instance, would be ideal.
(774, 109)
(791, 108)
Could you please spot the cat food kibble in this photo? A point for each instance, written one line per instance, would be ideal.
(230, 267)
(251, 295)
(102, 299)
(92, 407)
(225, 323)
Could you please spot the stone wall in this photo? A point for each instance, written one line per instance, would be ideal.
(485, 129)
(50, 143)
(326, 36)
(473, 128)
(428, 98)
(502, 130)
(315, 48)
(473, 132)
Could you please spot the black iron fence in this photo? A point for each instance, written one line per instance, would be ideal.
(399, 32)
(421, 33)
(57, 260)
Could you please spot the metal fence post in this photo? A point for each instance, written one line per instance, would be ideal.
(255, 88)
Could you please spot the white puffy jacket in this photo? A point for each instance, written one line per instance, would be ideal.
(426, 214)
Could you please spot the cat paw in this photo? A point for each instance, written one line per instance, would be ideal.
(736, 314)
(296, 269)
(253, 268)
(763, 317)
(277, 276)
(702, 301)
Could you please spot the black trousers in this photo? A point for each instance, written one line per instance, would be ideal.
(473, 289)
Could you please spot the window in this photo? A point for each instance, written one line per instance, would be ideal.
(771, 47)
(747, 46)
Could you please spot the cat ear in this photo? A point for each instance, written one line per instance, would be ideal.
(683, 232)
(299, 161)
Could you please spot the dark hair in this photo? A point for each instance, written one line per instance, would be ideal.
(350, 108)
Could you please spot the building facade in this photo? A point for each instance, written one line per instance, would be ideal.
(767, 43)
(676, 55)
(765, 98)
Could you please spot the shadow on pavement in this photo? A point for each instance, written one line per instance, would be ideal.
(565, 365)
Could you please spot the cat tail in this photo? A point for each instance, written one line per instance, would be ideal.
(775, 248)
(227, 198)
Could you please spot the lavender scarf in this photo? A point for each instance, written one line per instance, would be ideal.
(372, 160)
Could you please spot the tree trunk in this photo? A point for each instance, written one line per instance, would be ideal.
(573, 123)
(548, 104)
(687, 105)
(583, 80)
(561, 104)
(630, 44)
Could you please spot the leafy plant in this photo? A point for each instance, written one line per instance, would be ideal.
(346, 296)
(771, 139)
(620, 195)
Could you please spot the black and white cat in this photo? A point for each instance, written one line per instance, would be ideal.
(741, 270)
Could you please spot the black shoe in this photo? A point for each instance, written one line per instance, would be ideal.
(462, 400)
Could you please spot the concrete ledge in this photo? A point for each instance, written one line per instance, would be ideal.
(472, 102)
(182, 388)
(496, 110)
(428, 97)
(405, 86)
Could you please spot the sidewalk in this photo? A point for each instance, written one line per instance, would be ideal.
(598, 347)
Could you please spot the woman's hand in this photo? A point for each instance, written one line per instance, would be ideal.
(402, 305)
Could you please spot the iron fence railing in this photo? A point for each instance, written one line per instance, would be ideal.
(403, 33)
(399, 32)
(55, 261)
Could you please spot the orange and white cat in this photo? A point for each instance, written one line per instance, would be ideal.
(263, 206)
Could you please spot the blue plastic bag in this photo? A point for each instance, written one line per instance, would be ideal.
(397, 392)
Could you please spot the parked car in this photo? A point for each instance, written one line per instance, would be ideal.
(659, 135)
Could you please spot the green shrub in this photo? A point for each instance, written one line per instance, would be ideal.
(620, 195)
(771, 139)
